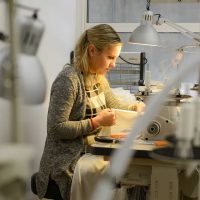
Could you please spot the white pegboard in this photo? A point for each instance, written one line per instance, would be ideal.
(127, 74)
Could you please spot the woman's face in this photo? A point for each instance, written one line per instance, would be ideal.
(102, 62)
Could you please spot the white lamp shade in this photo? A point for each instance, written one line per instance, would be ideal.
(30, 75)
(145, 34)
(32, 79)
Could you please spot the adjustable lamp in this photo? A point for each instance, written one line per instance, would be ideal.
(145, 34)
(150, 37)
(177, 27)
(30, 73)
(186, 49)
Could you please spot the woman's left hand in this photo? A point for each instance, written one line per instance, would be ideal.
(138, 106)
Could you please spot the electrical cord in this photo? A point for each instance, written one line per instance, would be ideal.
(148, 4)
(145, 61)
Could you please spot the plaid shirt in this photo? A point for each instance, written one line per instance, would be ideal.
(95, 101)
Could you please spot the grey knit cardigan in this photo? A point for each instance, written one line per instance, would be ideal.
(66, 127)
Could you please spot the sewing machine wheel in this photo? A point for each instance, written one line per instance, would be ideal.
(154, 128)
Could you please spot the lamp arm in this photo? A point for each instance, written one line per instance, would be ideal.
(181, 48)
(183, 30)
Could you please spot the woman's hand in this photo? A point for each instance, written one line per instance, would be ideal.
(138, 106)
(105, 118)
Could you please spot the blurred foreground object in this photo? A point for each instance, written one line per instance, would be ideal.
(21, 75)
(29, 71)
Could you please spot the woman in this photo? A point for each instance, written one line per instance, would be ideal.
(79, 106)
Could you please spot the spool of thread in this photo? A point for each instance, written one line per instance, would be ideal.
(147, 79)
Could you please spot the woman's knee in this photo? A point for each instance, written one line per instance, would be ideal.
(90, 164)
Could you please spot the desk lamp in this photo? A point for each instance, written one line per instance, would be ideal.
(181, 51)
(32, 81)
(151, 37)
(145, 34)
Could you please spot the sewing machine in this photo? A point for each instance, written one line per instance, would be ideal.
(163, 125)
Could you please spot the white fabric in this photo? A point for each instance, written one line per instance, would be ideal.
(124, 122)
(124, 95)
(88, 172)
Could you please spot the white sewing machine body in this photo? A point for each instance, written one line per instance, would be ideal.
(163, 125)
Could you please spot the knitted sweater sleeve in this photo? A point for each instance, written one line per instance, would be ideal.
(111, 100)
(66, 107)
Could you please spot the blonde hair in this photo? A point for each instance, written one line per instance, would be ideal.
(101, 36)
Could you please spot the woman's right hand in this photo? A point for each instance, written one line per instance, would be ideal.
(105, 118)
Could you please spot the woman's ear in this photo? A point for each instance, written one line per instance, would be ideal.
(91, 49)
